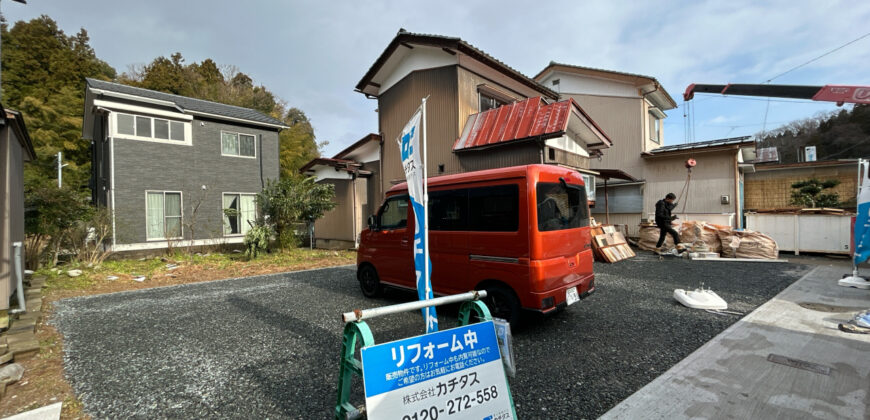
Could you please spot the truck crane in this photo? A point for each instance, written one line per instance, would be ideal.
(841, 94)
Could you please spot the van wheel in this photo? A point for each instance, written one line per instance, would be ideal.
(369, 282)
(503, 303)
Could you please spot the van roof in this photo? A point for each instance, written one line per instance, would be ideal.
(489, 175)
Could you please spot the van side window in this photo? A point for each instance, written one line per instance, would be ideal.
(561, 208)
(448, 210)
(394, 213)
(494, 209)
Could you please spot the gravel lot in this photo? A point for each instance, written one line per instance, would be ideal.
(267, 347)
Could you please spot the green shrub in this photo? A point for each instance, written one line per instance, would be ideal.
(257, 240)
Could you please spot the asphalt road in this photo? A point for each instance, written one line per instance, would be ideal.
(267, 346)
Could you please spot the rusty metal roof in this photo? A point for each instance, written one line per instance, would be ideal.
(528, 119)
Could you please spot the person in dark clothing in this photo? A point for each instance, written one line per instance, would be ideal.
(664, 219)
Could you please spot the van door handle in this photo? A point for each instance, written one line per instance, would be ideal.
(404, 242)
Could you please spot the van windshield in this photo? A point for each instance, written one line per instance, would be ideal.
(561, 207)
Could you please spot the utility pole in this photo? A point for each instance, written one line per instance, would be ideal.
(60, 166)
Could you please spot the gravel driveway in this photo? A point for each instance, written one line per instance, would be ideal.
(267, 346)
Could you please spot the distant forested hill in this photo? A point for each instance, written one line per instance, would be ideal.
(837, 135)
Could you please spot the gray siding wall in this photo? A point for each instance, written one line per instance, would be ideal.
(142, 165)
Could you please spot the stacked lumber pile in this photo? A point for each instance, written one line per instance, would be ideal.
(716, 238)
(609, 245)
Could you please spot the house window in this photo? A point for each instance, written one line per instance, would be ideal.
(488, 102)
(240, 213)
(163, 215)
(148, 128)
(238, 144)
(654, 126)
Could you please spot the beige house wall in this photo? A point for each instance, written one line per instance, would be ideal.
(713, 177)
(335, 228)
(620, 118)
(771, 188)
(398, 104)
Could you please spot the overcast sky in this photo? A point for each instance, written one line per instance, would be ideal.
(312, 54)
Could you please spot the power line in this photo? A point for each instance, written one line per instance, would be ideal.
(823, 55)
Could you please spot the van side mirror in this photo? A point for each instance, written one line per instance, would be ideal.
(373, 223)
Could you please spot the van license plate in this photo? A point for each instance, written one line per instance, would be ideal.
(571, 295)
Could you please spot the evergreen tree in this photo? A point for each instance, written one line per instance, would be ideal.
(298, 145)
(207, 80)
(43, 76)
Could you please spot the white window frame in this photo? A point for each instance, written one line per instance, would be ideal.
(654, 125)
(239, 148)
(240, 194)
(181, 199)
(498, 98)
(188, 131)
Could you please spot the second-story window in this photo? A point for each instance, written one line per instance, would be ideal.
(149, 128)
(238, 144)
(488, 102)
(654, 127)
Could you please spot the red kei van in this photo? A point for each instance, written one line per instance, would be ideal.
(521, 233)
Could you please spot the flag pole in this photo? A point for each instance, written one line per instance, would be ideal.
(426, 273)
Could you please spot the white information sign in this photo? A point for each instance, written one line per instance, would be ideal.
(452, 374)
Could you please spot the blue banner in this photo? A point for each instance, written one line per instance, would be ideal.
(862, 218)
(412, 163)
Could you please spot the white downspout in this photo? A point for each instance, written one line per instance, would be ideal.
(19, 273)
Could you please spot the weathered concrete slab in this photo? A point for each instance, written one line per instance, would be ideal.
(772, 363)
(24, 350)
(23, 324)
(49, 412)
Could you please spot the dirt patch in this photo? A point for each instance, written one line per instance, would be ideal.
(44, 382)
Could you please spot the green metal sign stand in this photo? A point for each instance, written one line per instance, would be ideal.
(359, 331)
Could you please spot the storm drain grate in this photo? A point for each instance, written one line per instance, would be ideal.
(800, 364)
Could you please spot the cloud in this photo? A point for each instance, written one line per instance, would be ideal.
(313, 54)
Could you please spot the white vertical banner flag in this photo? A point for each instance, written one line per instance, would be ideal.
(412, 145)
(862, 218)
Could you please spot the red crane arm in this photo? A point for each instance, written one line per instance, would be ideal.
(828, 93)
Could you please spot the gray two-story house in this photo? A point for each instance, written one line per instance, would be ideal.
(168, 167)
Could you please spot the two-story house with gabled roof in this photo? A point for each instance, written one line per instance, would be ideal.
(639, 169)
(481, 114)
(169, 167)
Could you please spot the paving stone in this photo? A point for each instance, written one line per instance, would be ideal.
(34, 304)
(27, 324)
(6, 357)
(24, 350)
(20, 337)
(32, 293)
(4, 319)
(2, 389)
(36, 315)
